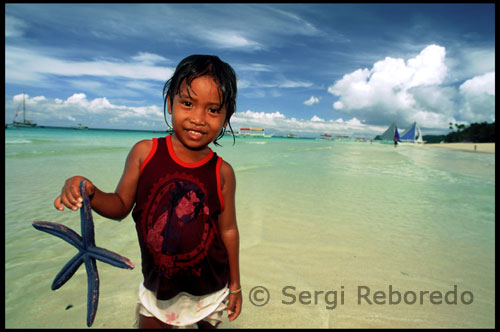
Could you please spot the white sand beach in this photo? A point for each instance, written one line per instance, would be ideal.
(475, 147)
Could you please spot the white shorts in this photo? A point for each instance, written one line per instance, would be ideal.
(183, 309)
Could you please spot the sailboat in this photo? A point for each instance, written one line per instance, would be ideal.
(25, 123)
(253, 132)
(412, 135)
(390, 135)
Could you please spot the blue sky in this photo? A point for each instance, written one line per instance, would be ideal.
(342, 69)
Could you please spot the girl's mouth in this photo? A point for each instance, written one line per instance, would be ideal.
(195, 135)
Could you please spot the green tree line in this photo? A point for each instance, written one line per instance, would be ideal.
(475, 133)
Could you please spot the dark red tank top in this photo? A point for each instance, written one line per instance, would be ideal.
(176, 217)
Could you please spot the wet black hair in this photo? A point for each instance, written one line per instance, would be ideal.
(195, 66)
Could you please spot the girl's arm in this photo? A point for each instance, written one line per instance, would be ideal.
(115, 205)
(230, 236)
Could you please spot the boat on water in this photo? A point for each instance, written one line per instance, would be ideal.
(325, 137)
(390, 135)
(253, 132)
(25, 123)
(412, 135)
(80, 127)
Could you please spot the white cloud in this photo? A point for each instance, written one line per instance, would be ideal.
(39, 98)
(77, 98)
(230, 39)
(251, 27)
(479, 84)
(311, 101)
(101, 113)
(479, 96)
(317, 119)
(354, 122)
(148, 58)
(278, 122)
(253, 67)
(392, 90)
(428, 68)
(96, 113)
(294, 84)
(338, 105)
(23, 65)
(262, 118)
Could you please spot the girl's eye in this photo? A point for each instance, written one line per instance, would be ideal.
(187, 103)
(214, 110)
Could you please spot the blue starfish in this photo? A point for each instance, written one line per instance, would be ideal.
(87, 252)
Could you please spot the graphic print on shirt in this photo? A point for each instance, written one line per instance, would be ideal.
(177, 227)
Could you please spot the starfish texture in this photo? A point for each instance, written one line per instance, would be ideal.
(88, 252)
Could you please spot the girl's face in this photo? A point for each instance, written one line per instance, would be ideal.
(196, 118)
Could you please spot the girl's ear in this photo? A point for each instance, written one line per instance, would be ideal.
(169, 103)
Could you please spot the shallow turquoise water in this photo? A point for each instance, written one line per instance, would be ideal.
(315, 215)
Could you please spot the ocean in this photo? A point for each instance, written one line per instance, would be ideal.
(332, 233)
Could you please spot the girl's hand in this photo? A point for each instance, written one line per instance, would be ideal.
(70, 194)
(234, 306)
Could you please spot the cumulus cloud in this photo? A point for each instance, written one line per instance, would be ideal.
(414, 90)
(277, 122)
(385, 93)
(311, 101)
(101, 113)
(317, 119)
(97, 113)
(257, 118)
(479, 96)
(479, 85)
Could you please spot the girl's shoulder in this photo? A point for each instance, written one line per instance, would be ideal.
(225, 167)
(227, 174)
(143, 146)
(141, 150)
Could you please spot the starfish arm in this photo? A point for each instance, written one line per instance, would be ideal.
(65, 233)
(87, 222)
(67, 271)
(110, 257)
(92, 288)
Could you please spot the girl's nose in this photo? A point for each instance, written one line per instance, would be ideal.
(197, 117)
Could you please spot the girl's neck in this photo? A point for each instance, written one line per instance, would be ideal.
(187, 154)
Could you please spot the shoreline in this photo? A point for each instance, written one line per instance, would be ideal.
(472, 147)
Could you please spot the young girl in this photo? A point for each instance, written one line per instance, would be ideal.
(184, 198)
